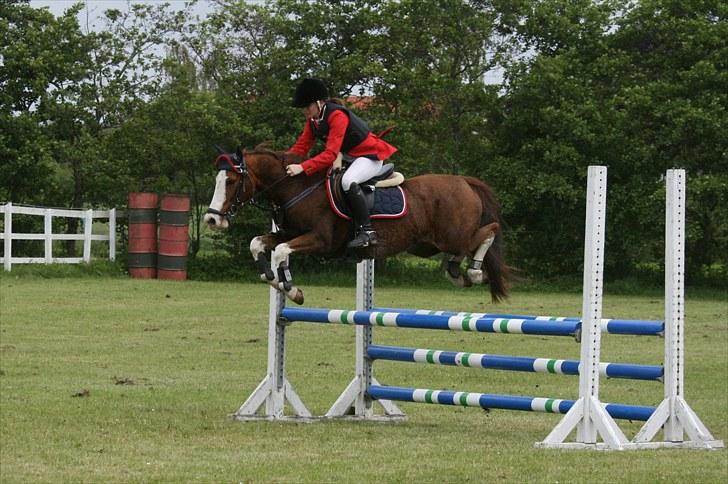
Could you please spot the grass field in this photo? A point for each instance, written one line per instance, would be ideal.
(110, 379)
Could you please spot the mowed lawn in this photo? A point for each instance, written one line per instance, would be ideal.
(111, 380)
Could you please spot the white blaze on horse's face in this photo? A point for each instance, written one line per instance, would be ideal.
(213, 220)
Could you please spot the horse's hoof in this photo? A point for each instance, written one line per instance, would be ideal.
(459, 281)
(295, 295)
(475, 275)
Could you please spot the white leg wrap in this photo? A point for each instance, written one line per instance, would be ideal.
(256, 247)
(475, 271)
(280, 254)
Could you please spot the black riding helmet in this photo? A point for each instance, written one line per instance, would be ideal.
(308, 91)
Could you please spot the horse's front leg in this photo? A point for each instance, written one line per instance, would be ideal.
(259, 247)
(305, 244)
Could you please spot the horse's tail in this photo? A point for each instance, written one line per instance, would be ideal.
(495, 267)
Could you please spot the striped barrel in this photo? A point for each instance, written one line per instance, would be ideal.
(506, 402)
(174, 214)
(432, 321)
(512, 363)
(612, 326)
(142, 251)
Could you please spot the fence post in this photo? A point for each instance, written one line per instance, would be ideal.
(48, 234)
(8, 236)
(112, 234)
(87, 229)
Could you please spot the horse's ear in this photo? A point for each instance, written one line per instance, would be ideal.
(239, 152)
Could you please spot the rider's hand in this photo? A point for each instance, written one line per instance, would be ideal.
(294, 169)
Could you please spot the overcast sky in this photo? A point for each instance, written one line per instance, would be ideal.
(95, 9)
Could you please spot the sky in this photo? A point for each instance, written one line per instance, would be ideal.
(94, 9)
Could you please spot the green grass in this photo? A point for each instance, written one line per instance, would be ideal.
(118, 380)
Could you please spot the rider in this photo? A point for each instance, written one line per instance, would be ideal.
(342, 131)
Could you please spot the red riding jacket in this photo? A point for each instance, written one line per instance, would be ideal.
(338, 123)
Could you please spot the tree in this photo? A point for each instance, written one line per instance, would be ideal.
(40, 55)
(637, 87)
(167, 145)
(64, 90)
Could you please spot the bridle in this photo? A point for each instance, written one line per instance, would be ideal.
(233, 162)
(236, 162)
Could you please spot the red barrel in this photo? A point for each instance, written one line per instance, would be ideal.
(174, 216)
(142, 252)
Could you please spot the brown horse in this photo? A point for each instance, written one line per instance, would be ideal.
(455, 215)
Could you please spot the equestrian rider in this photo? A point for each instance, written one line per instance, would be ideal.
(342, 131)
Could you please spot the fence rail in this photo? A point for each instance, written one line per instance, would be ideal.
(88, 217)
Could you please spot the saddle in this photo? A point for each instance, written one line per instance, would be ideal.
(384, 195)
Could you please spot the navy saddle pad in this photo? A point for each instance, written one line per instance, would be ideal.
(390, 202)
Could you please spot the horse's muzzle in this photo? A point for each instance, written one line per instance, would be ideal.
(215, 221)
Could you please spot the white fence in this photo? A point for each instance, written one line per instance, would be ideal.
(48, 236)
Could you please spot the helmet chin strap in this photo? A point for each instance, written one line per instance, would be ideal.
(322, 110)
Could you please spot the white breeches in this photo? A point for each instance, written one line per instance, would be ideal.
(360, 170)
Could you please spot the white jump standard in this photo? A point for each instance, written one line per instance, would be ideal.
(591, 421)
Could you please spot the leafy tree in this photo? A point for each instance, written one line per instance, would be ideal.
(69, 88)
(432, 61)
(40, 56)
(167, 145)
(635, 87)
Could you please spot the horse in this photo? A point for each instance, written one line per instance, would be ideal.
(455, 215)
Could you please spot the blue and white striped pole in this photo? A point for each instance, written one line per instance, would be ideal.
(642, 327)
(506, 402)
(429, 321)
(512, 363)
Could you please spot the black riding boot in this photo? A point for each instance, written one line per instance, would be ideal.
(365, 234)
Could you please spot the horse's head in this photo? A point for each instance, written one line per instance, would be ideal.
(234, 185)
(240, 177)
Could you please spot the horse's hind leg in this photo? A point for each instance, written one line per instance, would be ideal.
(451, 266)
(482, 241)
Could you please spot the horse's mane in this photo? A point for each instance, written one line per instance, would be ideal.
(263, 149)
